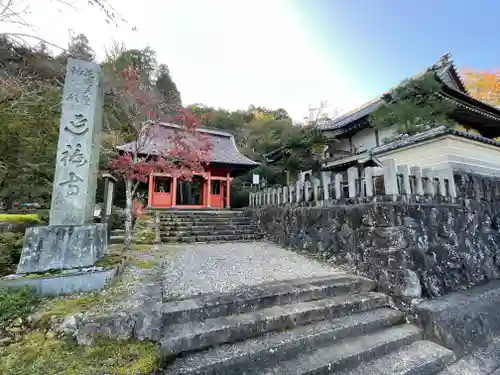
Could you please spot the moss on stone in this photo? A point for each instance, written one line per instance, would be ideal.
(146, 263)
(42, 274)
(111, 259)
(40, 353)
(141, 247)
(66, 305)
(36, 354)
(16, 303)
(144, 236)
(20, 218)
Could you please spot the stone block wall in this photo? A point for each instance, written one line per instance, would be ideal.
(412, 245)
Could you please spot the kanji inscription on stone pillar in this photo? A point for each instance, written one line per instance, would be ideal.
(75, 179)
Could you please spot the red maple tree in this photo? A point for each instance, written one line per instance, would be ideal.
(181, 153)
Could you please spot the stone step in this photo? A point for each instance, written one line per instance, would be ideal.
(420, 358)
(207, 221)
(116, 239)
(218, 232)
(192, 336)
(274, 347)
(118, 232)
(215, 238)
(347, 353)
(204, 223)
(222, 226)
(481, 360)
(202, 214)
(263, 296)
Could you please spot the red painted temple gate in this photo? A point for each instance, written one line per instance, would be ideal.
(210, 189)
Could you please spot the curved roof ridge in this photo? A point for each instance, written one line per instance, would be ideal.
(224, 149)
(200, 129)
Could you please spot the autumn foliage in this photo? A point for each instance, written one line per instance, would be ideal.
(483, 85)
(180, 152)
(188, 149)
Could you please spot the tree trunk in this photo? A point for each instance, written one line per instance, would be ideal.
(128, 214)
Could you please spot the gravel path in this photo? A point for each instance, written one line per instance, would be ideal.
(221, 267)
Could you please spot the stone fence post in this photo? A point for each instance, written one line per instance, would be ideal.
(315, 189)
(307, 191)
(352, 179)
(338, 186)
(404, 172)
(416, 172)
(428, 176)
(298, 192)
(452, 189)
(325, 182)
(390, 177)
(369, 181)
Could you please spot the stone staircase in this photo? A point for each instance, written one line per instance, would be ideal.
(206, 226)
(325, 325)
(117, 236)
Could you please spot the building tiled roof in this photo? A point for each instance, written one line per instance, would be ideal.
(429, 134)
(361, 157)
(356, 114)
(444, 68)
(223, 145)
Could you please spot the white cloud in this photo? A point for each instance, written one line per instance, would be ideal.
(221, 52)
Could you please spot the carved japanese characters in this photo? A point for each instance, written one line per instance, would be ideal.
(76, 163)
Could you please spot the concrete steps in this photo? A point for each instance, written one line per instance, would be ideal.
(202, 231)
(326, 325)
(117, 236)
(420, 357)
(263, 296)
(205, 221)
(212, 238)
(207, 226)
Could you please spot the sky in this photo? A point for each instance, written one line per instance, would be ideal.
(287, 54)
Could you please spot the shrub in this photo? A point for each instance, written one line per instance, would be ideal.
(16, 303)
(20, 218)
(10, 252)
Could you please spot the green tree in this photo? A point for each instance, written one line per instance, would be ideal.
(28, 140)
(166, 86)
(119, 58)
(79, 48)
(30, 98)
(414, 106)
(303, 149)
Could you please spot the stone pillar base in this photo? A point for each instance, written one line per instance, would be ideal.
(62, 247)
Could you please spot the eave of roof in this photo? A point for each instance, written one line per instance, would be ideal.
(365, 159)
(429, 134)
(405, 142)
(224, 149)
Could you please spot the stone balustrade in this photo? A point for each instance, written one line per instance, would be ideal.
(391, 180)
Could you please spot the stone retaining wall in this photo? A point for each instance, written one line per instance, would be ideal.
(414, 247)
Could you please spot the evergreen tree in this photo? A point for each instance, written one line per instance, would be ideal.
(167, 86)
(414, 106)
(79, 48)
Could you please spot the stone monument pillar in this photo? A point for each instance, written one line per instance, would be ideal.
(71, 239)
